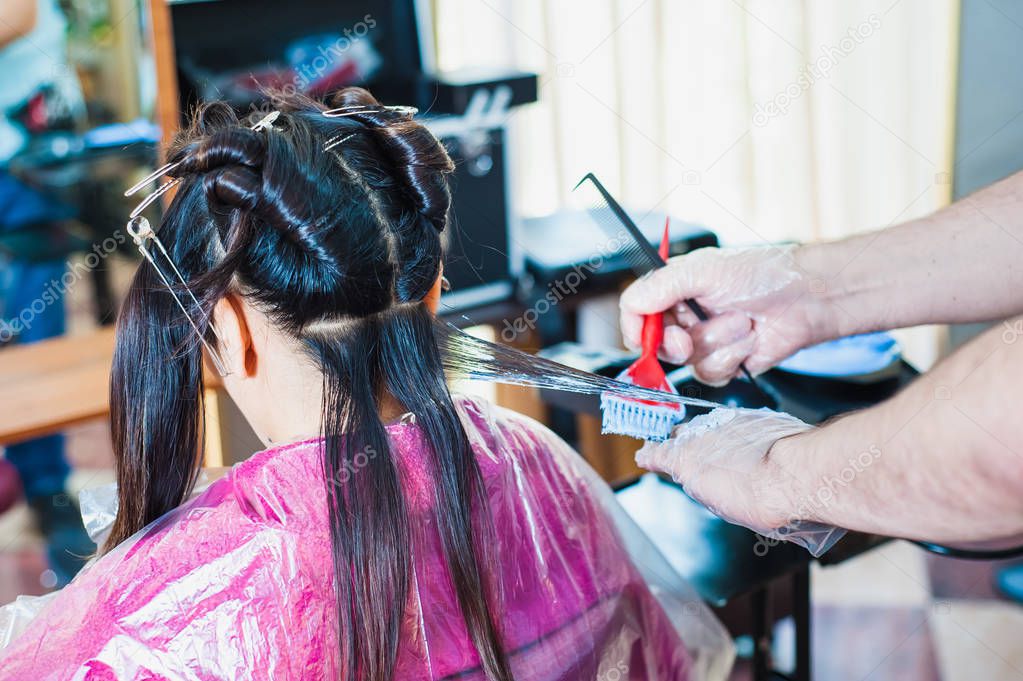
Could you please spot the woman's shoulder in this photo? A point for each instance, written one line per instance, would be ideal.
(481, 413)
(282, 485)
(506, 434)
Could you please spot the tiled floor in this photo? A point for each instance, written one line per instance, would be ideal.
(900, 614)
(873, 643)
(893, 614)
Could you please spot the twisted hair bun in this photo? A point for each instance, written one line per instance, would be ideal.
(320, 234)
(411, 153)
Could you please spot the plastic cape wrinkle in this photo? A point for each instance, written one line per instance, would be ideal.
(237, 582)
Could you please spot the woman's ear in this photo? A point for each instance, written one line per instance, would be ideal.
(235, 332)
(432, 298)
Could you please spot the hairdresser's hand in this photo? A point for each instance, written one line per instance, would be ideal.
(759, 302)
(720, 459)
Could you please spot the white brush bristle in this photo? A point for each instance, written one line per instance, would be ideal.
(625, 416)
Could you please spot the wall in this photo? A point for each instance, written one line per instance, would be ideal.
(989, 103)
(989, 106)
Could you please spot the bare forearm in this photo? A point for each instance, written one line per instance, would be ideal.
(942, 461)
(960, 264)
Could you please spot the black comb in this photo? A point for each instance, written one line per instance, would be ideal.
(641, 254)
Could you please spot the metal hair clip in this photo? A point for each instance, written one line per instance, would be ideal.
(165, 168)
(267, 121)
(142, 232)
(160, 191)
(337, 140)
(369, 108)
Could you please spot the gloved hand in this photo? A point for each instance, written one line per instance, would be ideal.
(720, 459)
(759, 301)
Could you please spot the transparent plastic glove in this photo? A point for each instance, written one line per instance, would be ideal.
(719, 459)
(760, 305)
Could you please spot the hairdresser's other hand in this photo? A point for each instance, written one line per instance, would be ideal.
(759, 301)
(720, 459)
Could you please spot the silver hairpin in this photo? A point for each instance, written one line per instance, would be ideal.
(166, 167)
(141, 233)
(337, 140)
(358, 109)
(355, 109)
(160, 191)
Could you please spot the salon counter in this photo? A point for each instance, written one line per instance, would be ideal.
(53, 384)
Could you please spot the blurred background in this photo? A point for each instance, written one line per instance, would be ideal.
(742, 121)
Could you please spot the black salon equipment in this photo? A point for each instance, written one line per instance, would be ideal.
(480, 273)
(387, 43)
(570, 259)
(87, 173)
(386, 46)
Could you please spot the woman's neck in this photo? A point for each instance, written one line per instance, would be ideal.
(285, 403)
(391, 411)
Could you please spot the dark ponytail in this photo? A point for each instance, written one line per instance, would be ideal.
(156, 409)
(339, 248)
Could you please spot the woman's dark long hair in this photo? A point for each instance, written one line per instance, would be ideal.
(339, 247)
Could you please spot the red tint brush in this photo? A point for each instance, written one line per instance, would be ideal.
(642, 418)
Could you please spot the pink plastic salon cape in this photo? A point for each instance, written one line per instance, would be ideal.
(237, 582)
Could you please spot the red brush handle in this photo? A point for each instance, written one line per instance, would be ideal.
(647, 370)
(653, 326)
(653, 333)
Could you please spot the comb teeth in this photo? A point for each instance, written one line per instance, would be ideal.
(626, 416)
(637, 251)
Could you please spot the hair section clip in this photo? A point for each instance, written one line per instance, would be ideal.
(356, 109)
(142, 234)
(267, 121)
(162, 170)
(337, 140)
(160, 191)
